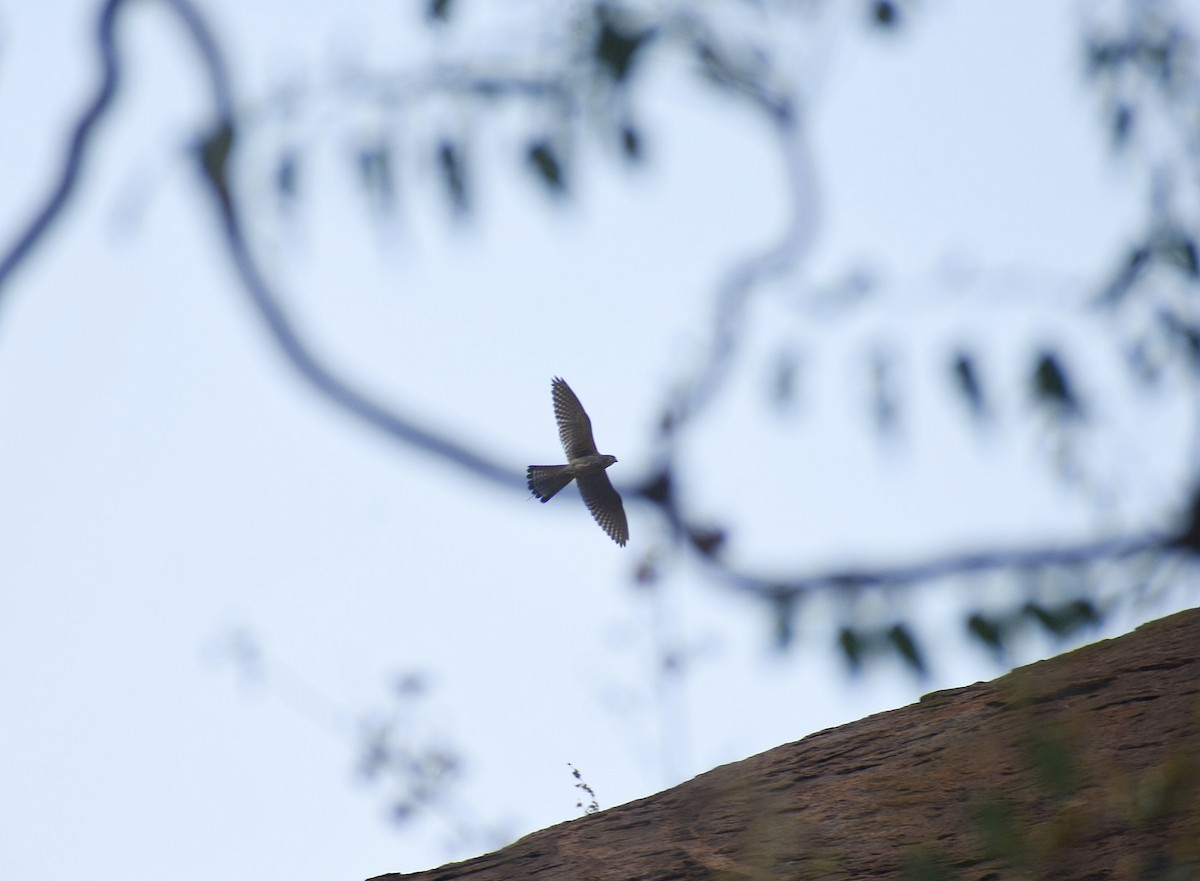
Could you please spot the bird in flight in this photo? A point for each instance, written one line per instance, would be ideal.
(585, 465)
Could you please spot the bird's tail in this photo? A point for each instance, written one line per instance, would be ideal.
(546, 480)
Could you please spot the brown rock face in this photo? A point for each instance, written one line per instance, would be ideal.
(1085, 766)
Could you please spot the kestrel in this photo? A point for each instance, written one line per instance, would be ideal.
(585, 465)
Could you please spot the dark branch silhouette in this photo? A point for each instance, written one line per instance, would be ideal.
(214, 153)
(77, 147)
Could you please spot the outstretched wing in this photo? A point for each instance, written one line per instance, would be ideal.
(605, 504)
(574, 427)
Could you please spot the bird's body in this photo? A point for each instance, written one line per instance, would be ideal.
(585, 465)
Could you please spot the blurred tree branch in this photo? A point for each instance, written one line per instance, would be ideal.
(615, 39)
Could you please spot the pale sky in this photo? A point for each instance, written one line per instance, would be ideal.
(167, 481)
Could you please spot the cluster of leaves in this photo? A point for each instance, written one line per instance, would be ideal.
(1146, 75)
(588, 79)
(584, 89)
(419, 771)
(1146, 66)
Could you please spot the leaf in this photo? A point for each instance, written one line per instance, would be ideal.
(1052, 387)
(545, 162)
(707, 541)
(659, 489)
(783, 613)
(375, 173)
(1079, 614)
(903, 642)
(987, 630)
(1104, 55)
(1180, 252)
(885, 14)
(214, 157)
(631, 142)
(1064, 619)
(1156, 56)
(1122, 124)
(287, 175)
(452, 167)
(884, 402)
(647, 574)
(437, 10)
(1188, 537)
(785, 377)
(851, 643)
(617, 43)
(966, 380)
(715, 68)
(1135, 262)
(1183, 335)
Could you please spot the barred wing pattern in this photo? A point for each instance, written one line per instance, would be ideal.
(585, 465)
(574, 426)
(605, 504)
